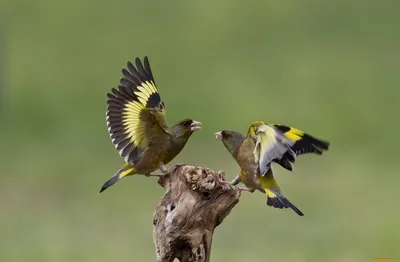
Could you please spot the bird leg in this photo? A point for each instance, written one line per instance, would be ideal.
(224, 182)
(163, 168)
(235, 181)
(221, 181)
(245, 189)
(166, 170)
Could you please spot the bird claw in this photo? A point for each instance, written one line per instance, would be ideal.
(223, 182)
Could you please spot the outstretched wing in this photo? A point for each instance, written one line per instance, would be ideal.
(271, 144)
(135, 112)
(304, 143)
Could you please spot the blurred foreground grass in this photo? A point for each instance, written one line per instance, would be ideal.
(330, 69)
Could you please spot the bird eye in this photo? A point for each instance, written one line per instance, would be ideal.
(187, 123)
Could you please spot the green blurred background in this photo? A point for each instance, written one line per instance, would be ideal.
(330, 68)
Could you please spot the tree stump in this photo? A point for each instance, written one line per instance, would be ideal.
(194, 204)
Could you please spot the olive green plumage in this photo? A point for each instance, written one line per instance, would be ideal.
(264, 144)
(137, 124)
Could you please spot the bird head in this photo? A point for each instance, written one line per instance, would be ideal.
(185, 128)
(230, 138)
(255, 128)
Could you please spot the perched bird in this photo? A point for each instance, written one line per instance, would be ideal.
(138, 127)
(264, 144)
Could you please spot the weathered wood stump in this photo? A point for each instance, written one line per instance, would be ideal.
(194, 204)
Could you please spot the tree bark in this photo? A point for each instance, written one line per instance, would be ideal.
(194, 204)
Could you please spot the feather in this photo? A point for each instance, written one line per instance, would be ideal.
(270, 145)
(130, 111)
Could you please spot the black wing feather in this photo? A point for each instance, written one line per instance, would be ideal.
(136, 92)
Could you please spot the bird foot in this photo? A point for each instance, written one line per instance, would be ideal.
(223, 182)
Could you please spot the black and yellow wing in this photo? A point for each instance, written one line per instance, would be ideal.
(304, 144)
(271, 144)
(135, 112)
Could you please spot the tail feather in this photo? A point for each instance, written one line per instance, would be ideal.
(124, 171)
(275, 198)
(282, 202)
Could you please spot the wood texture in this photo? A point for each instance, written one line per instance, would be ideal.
(194, 204)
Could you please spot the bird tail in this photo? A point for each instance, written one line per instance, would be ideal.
(124, 171)
(275, 198)
(278, 200)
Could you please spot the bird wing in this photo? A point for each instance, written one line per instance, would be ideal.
(271, 144)
(135, 112)
(304, 143)
(275, 196)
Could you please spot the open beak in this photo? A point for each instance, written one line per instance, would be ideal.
(195, 125)
(218, 135)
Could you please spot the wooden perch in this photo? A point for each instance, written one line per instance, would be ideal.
(194, 204)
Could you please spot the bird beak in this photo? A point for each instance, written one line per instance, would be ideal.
(195, 125)
(218, 135)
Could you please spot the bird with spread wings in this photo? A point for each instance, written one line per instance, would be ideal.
(137, 124)
(264, 145)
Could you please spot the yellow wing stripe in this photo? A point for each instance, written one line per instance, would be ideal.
(131, 113)
(131, 121)
(142, 98)
(145, 91)
(152, 86)
(134, 108)
(294, 134)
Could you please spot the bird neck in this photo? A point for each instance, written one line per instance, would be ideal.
(233, 145)
(180, 133)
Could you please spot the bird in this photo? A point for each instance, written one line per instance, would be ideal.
(136, 121)
(263, 145)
